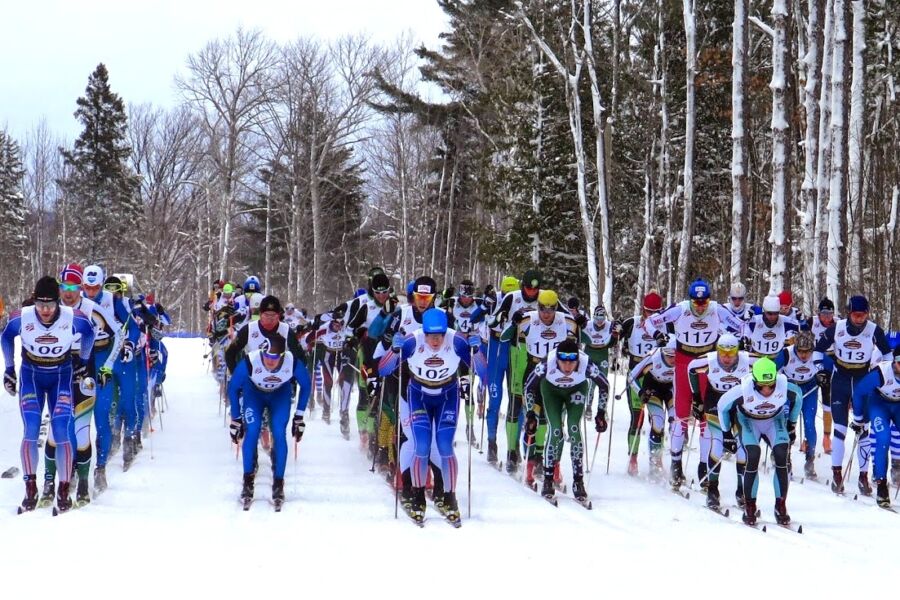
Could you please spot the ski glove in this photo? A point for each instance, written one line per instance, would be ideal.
(792, 431)
(79, 370)
(729, 444)
(127, 352)
(298, 426)
(10, 381)
(465, 388)
(474, 341)
(104, 375)
(858, 425)
(397, 342)
(581, 321)
(697, 410)
(746, 344)
(645, 395)
(154, 357)
(661, 338)
(237, 430)
(822, 378)
(600, 423)
(518, 316)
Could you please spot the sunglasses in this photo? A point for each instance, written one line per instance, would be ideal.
(547, 309)
(567, 356)
(45, 304)
(269, 356)
(826, 313)
(115, 288)
(728, 351)
(70, 287)
(700, 301)
(737, 297)
(427, 297)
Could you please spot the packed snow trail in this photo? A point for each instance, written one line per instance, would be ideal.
(174, 523)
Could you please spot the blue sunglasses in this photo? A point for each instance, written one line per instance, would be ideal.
(567, 355)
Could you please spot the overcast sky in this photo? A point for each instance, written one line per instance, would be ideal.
(49, 47)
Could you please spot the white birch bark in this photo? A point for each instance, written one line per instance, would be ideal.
(779, 146)
(837, 183)
(823, 167)
(855, 144)
(687, 222)
(739, 161)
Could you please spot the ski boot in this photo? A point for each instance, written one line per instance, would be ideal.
(382, 461)
(713, 499)
(138, 444)
(702, 470)
(127, 452)
(345, 424)
(864, 487)
(588, 414)
(895, 472)
(578, 489)
(417, 504)
(82, 493)
(739, 498)
(530, 465)
(100, 479)
(809, 468)
(63, 501)
(749, 516)
(278, 492)
(116, 443)
(31, 494)
(547, 490)
(883, 494)
(676, 477)
(512, 462)
(633, 465)
(837, 482)
(247, 490)
(364, 443)
(48, 493)
(781, 514)
(450, 508)
(326, 413)
(557, 477)
(826, 443)
(492, 452)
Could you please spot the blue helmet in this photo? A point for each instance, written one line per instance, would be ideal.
(858, 304)
(360, 292)
(434, 321)
(699, 290)
(252, 285)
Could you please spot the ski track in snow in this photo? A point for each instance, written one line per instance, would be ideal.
(174, 523)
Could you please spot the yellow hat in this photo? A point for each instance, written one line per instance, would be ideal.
(509, 284)
(548, 298)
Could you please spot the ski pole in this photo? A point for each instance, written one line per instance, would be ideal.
(590, 399)
(687, 458)
(852, 453)
(593, 460)
(397, 467)
(378, 422)
(481, 394)
(469, 430)
(612, 416)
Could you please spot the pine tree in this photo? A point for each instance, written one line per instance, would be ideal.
(12, 214)
(100, 186)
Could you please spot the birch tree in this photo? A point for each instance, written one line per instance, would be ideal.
(855, 144)
(834, 276)
(687, 221)
(740, 180)
(780, 149)
(811, 94)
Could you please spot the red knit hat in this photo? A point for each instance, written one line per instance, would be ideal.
(652, 301)
(786, 298)
(71, 273)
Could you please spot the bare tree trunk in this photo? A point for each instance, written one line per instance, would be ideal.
(812, 91)
(856, 144)
(447, 252)
(687, 222)
(739, 161)
(834, 276)
(823, 168)
(780, 149)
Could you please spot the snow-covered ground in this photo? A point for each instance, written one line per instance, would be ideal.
(172, 524)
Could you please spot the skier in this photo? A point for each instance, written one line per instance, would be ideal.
(722, 369)
(117, 337)
(433, 354)
(818, 325)
(558, 387)
(498, 351)
(637, 344)
(787, 309)
(697, 322)
(800, 369)
(48, 332)
(599, 335)
(460, 309)
(854, 341)
(737, 304)
(331, 354)
(84, 388)
(532, 334)
(651, 381)
(759, 403)
(877, 395)
(767, 334)
(263, 379)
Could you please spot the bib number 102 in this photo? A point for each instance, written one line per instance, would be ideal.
(433, 374)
